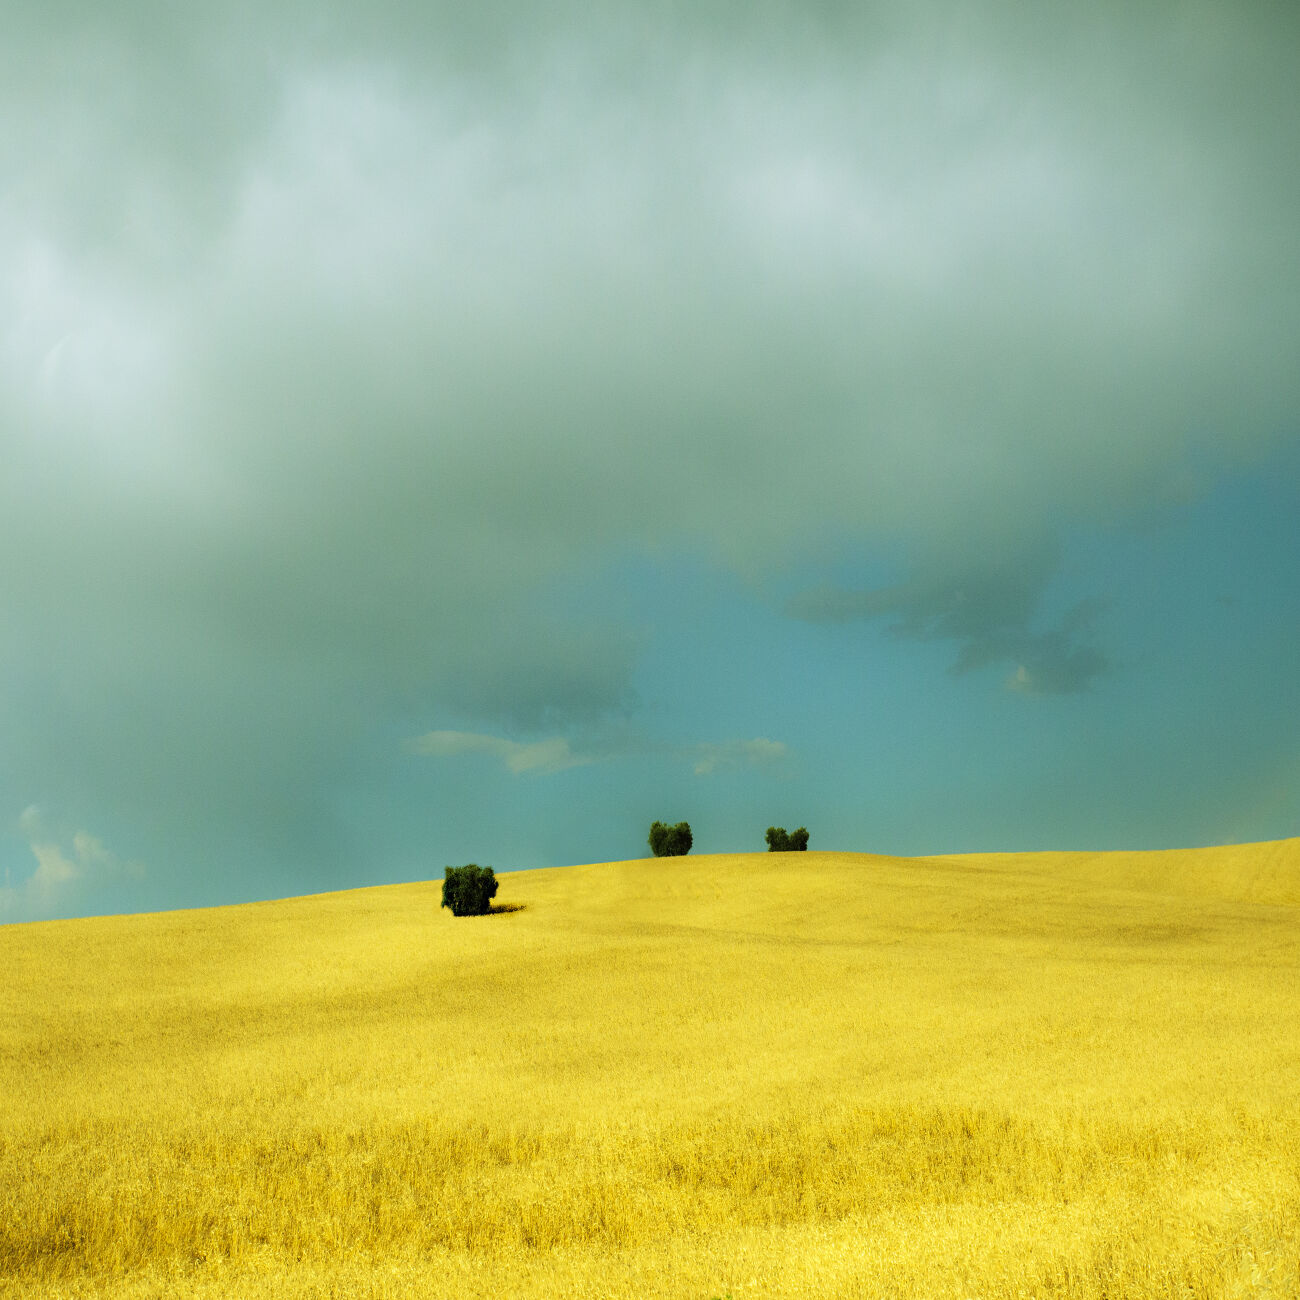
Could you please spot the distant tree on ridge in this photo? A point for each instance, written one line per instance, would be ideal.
(779, 842)
(670, 841)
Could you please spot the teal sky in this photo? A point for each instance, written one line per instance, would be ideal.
(439, 433)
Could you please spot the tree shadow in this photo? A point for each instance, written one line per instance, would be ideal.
(506, 907)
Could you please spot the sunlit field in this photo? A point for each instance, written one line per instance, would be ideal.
(756, 1075)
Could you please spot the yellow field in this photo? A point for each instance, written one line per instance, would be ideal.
(813, 1075)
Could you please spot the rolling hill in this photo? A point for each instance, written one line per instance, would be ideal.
(768, 1075)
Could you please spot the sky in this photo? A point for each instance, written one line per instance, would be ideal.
(442, 433)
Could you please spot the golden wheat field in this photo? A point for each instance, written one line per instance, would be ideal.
(757, 1075)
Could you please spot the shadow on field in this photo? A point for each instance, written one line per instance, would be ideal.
(506, 907)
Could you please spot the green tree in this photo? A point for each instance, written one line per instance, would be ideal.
(670, 841)
(469, 890)
(780, 842)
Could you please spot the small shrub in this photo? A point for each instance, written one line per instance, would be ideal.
(670, 841)
(469, 890)
(779, 842)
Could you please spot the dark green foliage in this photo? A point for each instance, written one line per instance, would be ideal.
(469, 890)
(779, 842)
(670, 841)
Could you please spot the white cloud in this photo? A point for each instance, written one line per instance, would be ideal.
(711, 758)
(63, 870)
(555, 753)
(538, 757)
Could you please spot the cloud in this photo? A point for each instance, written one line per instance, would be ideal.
(338, 347)
(555, 753)
(1058, 671)
(989, 608)
(710, 758)
(66, 869)
(1059, 661)
(537, 758)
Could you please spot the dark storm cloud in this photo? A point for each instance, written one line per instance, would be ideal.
(989, 609)
(337, 340)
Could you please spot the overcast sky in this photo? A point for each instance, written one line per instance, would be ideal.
(444, 433)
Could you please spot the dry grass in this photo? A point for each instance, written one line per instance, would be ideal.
(1034, 1075)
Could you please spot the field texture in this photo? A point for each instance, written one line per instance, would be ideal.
(764, 1075)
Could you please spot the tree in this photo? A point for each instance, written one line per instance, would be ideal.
(670, 841)
(469, 890)
(779, 842)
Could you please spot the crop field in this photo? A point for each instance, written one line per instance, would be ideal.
(753, 1075)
